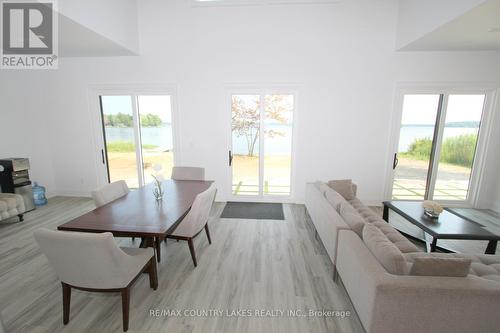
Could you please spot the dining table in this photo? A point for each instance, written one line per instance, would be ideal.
(139, 214)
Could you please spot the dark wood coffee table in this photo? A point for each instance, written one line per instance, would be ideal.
(137, 214)
(448, 226)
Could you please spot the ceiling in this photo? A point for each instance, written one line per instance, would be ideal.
(476, 30)
(76, 40)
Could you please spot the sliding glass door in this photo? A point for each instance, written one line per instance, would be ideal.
(437, 146)
(261, 144)
(138, 136)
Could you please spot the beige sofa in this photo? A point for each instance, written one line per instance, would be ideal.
(11, 205)
(388, 302)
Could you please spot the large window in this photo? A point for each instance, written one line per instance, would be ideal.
(438, 142)
(138, 137)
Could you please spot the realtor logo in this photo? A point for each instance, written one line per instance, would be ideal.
(29, 38)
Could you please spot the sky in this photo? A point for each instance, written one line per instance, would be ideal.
(154, 104)
(422, 109)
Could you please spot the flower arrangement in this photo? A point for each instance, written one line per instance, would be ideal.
(432, 209)
(158, 189)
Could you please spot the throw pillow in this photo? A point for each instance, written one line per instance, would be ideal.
(432, 266)
(343, 187)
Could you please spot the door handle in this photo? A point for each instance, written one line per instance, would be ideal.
(102, 154)
(230, 158)
(395, 162)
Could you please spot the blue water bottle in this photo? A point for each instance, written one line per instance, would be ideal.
(39, 195)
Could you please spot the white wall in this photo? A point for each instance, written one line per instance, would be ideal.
(23, 130)
(342, 57)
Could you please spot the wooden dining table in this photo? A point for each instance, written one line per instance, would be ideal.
(139, 214)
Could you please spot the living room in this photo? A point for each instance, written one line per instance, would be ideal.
(338, 75)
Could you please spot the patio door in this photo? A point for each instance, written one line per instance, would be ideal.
(260, 155)
(437, 149)
(137, 133)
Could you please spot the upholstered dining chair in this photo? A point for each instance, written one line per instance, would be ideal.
(196, 220)
(188, 173)
(93, 262)
(109, 192)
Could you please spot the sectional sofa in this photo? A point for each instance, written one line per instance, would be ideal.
(393, 285)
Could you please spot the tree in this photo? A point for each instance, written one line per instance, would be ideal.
(150, 120)
(125, 120)
(246, 119)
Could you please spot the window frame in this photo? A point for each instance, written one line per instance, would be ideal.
(483, 140)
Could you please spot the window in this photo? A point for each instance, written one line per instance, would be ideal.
(438, 142)
(138, 137)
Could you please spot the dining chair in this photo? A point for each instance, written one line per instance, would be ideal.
(93, 262)
(188, 173)
(196, 220)
(109, 192)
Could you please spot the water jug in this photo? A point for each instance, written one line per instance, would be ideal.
(39, 195)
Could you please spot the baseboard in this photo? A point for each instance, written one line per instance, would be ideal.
(72, 194)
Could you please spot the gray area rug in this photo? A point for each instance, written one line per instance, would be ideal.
(253, 210)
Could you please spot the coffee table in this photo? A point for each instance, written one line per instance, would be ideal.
(448, 226)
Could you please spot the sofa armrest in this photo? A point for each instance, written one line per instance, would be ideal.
(393, 303)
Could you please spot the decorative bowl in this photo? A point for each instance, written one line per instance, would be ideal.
(431, 214)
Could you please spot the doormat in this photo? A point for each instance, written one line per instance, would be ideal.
(253, 210)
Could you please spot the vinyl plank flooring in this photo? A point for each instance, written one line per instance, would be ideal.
(251, 265)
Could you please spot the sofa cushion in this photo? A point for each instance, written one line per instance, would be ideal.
(10, 201)
(387, 254)
(483, 265)
(352, 218)
(343, 187)
(334, 198)
(431, 266)
(368, 214)
(401, 242)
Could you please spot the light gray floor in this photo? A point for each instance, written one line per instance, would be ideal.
(251, 264)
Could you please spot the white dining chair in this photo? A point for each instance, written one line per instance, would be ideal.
(93, 262)
(109, 192)
(196, 220)
(188, 173)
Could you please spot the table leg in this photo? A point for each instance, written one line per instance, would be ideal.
(492, 247)
(153, 242)
(158, 249)
(430, 243)
(385, 214)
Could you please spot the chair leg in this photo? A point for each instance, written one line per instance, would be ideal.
(125, 307)
(158, 248)
(153, 274)
(208, 234)
(21, 217)
(191, 249)
(66, 291)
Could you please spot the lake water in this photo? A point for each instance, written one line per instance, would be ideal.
(162, 137)
(279, 145)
